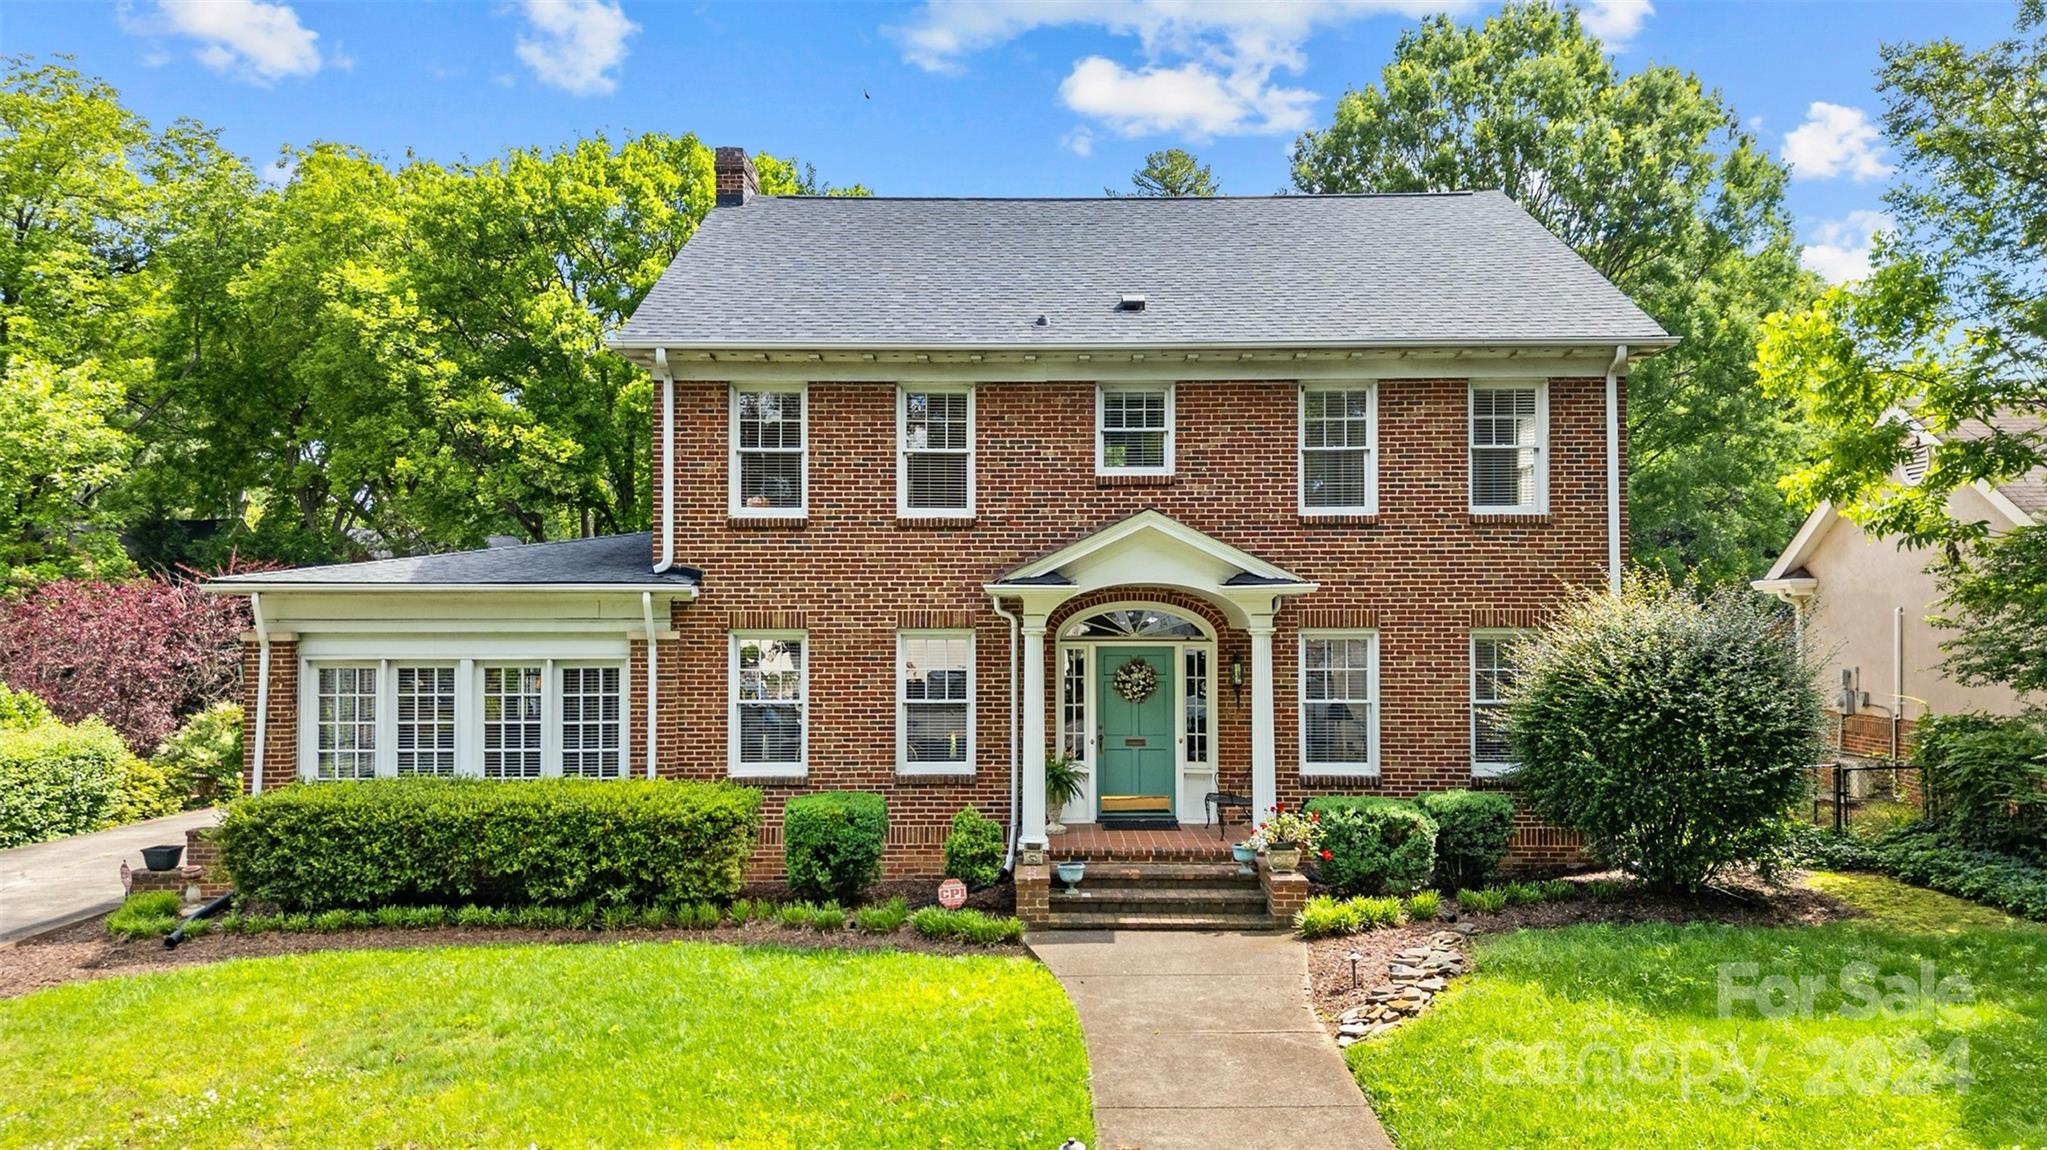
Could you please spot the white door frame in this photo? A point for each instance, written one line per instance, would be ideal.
(1087, 810)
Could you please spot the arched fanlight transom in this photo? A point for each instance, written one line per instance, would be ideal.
(1135, 623)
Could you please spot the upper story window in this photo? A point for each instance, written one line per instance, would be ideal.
(1339, 702)
(1339, 472)
(770, 716)
(935, 701)
(1134, 430)
(1493, 671)
(935, 451)
(770, 457)
(1509, 440)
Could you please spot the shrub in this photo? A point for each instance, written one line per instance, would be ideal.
(151, 914)
(828, 918)
(58, 780)
(1424, 906)
(887, 918)
(1473, 829)
(1325, 917)
(745, 910)
(1491, 900)
(969, 926)
(1557, 890)
(1521, 893)
(205, 754)
(20, 710)
(794, 915)
(147, 792)
(1377, 912)
(1986, 776)
(1672, 732)
(1374, 844)
(973, 850)
(450, 841)
(833, 842)
(1605, 890)
(699, 916)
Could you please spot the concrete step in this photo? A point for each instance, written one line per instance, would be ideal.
(1173, 898)
(1089, 920)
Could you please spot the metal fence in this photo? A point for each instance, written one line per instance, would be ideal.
(1846, 791)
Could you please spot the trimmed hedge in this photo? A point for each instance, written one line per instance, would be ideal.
(832, 843)
(58, 780)
(1473, 829)
(1986, 775)
(423, 842)
(973, 851)
(1376, 845)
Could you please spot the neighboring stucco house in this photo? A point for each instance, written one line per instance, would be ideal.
(1866, 603)
(1232, 495)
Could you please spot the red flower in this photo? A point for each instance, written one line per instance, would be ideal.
(1314, 816)
(1279, 806)
(1326, 856)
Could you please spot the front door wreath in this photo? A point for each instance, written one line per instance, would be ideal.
(1136, 680)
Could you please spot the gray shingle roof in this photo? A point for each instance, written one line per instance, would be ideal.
(1444, 269)
(622, 560)
(2029, 491)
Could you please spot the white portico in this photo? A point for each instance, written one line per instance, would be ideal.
(1148, 550)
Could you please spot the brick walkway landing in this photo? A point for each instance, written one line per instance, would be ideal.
(1094, 843)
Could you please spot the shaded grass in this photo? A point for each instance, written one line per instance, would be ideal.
(1615, 1036)
(633, 1044)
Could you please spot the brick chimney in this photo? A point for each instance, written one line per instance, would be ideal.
(737, 182)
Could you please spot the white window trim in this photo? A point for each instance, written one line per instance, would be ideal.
(1101, 439)
(1339, 770)
(1481, 770)
(1371, 504)
(925, 770)
(903, 508)
(468, 710)
(733, 767)
(555, 735)
(734, 506)
(1541, 504)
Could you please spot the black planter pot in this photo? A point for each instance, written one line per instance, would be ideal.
(163, 857)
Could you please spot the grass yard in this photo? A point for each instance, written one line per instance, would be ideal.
(638, 1044)
(1616, 1036)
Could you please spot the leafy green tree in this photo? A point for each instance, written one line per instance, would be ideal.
(58, 444)
(1653, 180)
(1172, 172)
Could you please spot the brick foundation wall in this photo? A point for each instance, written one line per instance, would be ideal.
(1866, 735)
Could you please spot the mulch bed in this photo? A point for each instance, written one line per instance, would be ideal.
(85, 950)
(1329, 967)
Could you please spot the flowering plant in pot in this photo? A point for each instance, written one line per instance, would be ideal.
(1286, 833)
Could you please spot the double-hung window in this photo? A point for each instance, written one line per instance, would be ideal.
(426, 720)
(935, 451)
(1134, 430)
(345, 725)
(513, 719)
(1338, 440)
(1509, 438)
(935, 702)
(1493, 671)
(1339, 703)
(592, 722)
(770, 715)
(770, 462)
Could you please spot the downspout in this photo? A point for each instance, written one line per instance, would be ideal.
(653, 675)
(667, 485)
(1613, 468)
(1015, 777)
(1897, 677)
(262, 690)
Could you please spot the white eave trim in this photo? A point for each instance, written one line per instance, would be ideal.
(1164, 524)
(667, 589)
(1602, 344)
(1803, 544)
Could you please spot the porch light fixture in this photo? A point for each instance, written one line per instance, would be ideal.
(1237, 676)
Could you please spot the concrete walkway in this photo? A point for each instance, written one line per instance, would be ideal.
(1206, 1040)
(47, 885)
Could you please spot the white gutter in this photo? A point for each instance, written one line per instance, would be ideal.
(227, 587)
(661, 346)
(653, 675)
(1897, 677)
(1015, 626)
(667, 461)
(1613, 469)
(262, 690)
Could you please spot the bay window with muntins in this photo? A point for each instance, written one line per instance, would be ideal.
(935, 451)
(770, 705)
(770, 456)
(934, 703)
(1134, 430)
(1339, 703)
(1509, 437)
(1339, 438)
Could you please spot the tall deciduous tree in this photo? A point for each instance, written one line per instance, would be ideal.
(1653, 180)
(1172, 172)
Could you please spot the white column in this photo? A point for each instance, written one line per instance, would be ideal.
(1264, 755)
(1031, 830)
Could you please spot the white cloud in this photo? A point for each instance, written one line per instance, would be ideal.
(248, 39)
(1079, 141)
(1615, 21)
(577, 44)
(1842, 250)
(1835, 139)
(1209, 66)
(279, 174)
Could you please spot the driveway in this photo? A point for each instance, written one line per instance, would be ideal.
(48, 885)
(1206, 1040)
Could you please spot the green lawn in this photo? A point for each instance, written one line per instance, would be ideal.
(635, 1044)
(1615, 1036)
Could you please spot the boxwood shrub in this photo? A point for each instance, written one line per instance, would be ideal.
(973, 851)
(1473, 829)
(1376, 845)
(58, 780)
(423, 842)
(832, 843)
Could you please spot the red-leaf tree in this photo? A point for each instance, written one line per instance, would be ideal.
(141, 655)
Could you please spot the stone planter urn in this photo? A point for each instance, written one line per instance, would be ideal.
(1246, 855)
(1283, 857)
(1071, 873)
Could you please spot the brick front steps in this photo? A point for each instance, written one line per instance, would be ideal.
(1154, 896)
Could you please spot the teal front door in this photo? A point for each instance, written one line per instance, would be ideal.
(1135, 741)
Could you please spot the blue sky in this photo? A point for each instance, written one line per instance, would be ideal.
(984, 97)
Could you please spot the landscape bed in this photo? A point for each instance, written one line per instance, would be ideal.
(632, 1043)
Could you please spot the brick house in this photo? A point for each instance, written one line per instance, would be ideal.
(1237, 496)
